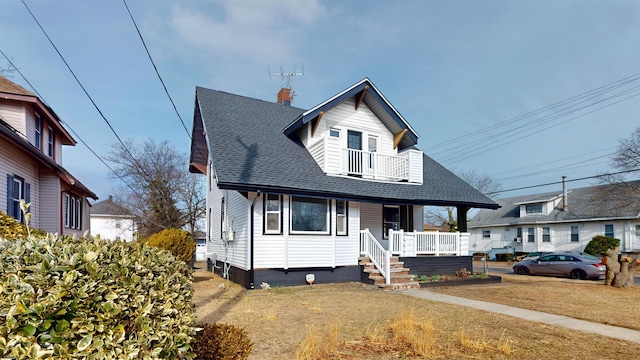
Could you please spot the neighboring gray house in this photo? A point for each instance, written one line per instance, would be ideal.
(292, 191)
(112, 221)
(554, 221)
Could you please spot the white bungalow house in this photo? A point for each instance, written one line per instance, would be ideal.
(112, 221)
(560, 221)
(292, 192)
(31, 140)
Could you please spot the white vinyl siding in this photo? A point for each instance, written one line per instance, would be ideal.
(51, 202)
(371, 218)
(304, 250)
(236, 212)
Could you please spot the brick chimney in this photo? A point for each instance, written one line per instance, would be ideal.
(284, 97)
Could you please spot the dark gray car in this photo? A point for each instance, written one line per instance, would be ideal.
(564, 264)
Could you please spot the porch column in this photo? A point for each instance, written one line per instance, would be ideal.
(462, 218)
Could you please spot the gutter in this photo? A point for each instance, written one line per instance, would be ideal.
(251, 271)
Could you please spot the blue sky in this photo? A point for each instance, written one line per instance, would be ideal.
(458, 71)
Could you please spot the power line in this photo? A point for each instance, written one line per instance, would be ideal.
(584, 96)
(67, 125)
(156, 69)
(560, 182)
(87, 94)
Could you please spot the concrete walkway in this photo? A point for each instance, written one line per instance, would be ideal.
(557, 320)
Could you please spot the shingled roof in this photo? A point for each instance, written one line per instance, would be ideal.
(601, 202)
(250, 152)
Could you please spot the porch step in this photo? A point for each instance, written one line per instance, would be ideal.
(399, 275)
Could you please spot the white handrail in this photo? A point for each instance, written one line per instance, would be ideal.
(379, 256)
(360, 162)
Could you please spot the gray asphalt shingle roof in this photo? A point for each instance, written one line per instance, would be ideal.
(250, 152)
(588, 203)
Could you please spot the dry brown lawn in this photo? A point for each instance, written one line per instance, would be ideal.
(352, 321)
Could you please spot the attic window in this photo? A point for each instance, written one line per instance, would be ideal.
(334, 133)
(533, 209)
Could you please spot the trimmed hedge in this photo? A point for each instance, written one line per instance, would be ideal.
(504, 257)
(179, 242)
(600, 244)
(93, 299)
(10, 228)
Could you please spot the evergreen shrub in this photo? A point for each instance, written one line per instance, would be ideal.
(179, 242)
(600, 244)
(11, 229)
(88, 298)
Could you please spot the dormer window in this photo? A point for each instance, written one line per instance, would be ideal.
(533, 208)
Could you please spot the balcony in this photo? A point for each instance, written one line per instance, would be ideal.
(405, 166)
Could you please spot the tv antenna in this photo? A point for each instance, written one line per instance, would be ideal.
(288, 77)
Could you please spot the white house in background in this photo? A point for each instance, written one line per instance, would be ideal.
(31, 141)
(560, 221)
(293, 191)
(112, 221)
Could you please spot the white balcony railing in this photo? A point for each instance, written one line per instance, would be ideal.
(378, 166)
(424, 243)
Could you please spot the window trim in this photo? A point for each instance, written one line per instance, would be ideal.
(331, 133)
(38, 131)
(486, 234)
(577, 233)
(534, 208)
(613, 231)
(265, 212)
(546, 237)
(73, 212)
(346, 218)
(310, 232)
(51, 142)
(531, 234)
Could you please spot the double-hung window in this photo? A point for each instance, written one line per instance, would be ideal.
(608, 230)
(73, 215)
(38, 132)
(341, 217)
(546, 234)
(17, 189)
(575, 233)
(309, 215)
(52, 142)
(531, 235)
(486, 234)
(272, 214)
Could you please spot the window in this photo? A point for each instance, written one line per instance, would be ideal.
(546, 234)
(637, 230)
(486, 234)
(272, 211)
(390, 219)
(531, 237)
(17, 189)
(341, 217)
(608, 230)
(354, 140)
(309, 215)
(38, 131)
(533, 209)
(118, 224)
(222, 223)
(334, 133)
(575, 233)
(73, 215)
(519, 234)
(51, 142)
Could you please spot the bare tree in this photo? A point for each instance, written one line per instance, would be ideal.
(621, 193)
(440, 215)
(158, 187)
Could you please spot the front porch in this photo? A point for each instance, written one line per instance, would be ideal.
(401, 244)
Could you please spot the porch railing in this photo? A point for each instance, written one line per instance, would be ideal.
(358, 162)
(379, 256)
(424, 243)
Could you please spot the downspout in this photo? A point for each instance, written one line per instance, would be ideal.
(251, 272)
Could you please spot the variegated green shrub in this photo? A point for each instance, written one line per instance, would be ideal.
(88, 298)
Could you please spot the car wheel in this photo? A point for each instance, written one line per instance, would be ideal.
(578, 274)
(523, 271)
